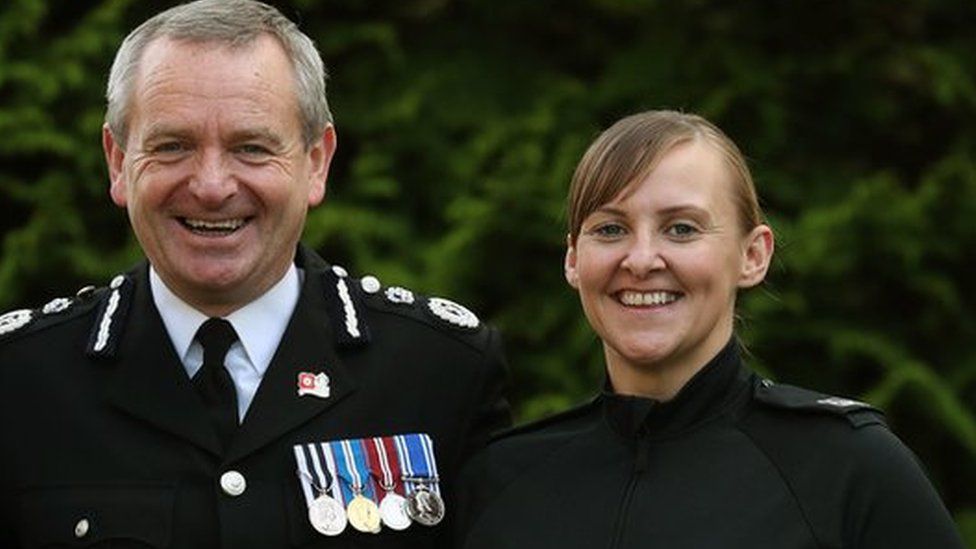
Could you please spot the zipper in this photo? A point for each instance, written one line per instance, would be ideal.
(640, 465)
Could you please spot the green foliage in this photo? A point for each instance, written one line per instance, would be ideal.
(460, 124)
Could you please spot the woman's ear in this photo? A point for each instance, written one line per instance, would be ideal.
(757, 255)
(569, 265)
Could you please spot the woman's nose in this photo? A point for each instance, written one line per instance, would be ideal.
(643, 257)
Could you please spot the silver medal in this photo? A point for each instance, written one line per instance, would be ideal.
(327, 516)
(425, 506)
(393, 511)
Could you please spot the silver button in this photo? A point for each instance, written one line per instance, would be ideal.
(117, 282)
(233, 483)
(81, 528)
(370, 284)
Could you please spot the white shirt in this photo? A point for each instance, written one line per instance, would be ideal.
(259, 326)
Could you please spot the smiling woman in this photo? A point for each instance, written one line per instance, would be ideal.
(686, 447)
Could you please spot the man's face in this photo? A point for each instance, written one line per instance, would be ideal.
(214, 173)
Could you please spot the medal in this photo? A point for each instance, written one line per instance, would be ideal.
(364, 515)
(393, 511)
(419, 468)
(425, 506)
(353, 471)
(316, 471)
(382, 459)
(327, 516)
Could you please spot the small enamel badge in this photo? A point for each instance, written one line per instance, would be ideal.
(316, 385)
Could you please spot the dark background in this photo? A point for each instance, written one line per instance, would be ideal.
(459, 125)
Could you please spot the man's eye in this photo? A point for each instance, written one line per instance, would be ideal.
(251, 149)
(169, 147)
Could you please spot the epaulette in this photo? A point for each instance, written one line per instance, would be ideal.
(55, 311)
(798, 399)
(110, 323)
(348, 297)
(578, 411)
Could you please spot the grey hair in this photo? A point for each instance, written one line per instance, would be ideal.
(235, 24)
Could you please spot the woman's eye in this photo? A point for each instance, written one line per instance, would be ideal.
(610, 230)
(682, 230)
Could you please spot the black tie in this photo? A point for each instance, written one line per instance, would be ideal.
(213, 382)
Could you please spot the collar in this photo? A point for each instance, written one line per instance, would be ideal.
(704, 397)
(259, 324)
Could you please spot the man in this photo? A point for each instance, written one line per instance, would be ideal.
(234, 391)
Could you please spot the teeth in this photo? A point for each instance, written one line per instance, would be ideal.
(647, 298)
(223, 225)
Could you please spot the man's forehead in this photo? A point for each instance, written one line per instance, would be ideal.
(163, 45)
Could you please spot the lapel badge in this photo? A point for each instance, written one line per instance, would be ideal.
(316, 385)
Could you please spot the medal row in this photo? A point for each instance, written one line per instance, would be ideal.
(370, 483)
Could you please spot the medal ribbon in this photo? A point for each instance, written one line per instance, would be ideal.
(430, 461)
(341, 470)
(379, 464)
(350, 469)
(339, 490)
(393, 458)
(416, 453)
(406, 469)
(316, 476)
(360, 466)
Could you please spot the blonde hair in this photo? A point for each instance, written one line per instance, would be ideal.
(630, 149)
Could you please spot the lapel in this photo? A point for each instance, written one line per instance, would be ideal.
(306, 346)
(149, 381)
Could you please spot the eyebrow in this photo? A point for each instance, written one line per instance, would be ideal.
(685, 208)
(257, 134)
(669, 211)
(157, 131)
(264, 134)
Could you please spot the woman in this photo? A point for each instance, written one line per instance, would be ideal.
(686, 448)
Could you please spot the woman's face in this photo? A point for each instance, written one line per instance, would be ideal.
(658, 267)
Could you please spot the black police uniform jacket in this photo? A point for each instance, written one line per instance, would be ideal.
(106, 444)
(731, 462)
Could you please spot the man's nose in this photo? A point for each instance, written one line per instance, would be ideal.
(212, 181)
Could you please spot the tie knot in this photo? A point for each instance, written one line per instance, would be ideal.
(216, 335)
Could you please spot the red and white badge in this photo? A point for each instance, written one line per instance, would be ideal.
(316, 385)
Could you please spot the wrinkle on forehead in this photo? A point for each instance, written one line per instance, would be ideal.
(242, 83)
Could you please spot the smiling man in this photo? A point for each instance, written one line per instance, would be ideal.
(235, 390)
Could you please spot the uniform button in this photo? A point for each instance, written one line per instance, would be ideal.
(370, 284)
(81, 528)
(233, 483)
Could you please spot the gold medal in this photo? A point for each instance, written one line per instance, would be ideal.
(363, 514)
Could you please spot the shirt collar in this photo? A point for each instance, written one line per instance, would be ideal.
(260, 324)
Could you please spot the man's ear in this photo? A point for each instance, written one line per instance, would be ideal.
(569, 265)
(757, 253)
(115, 160)
(320, 158)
